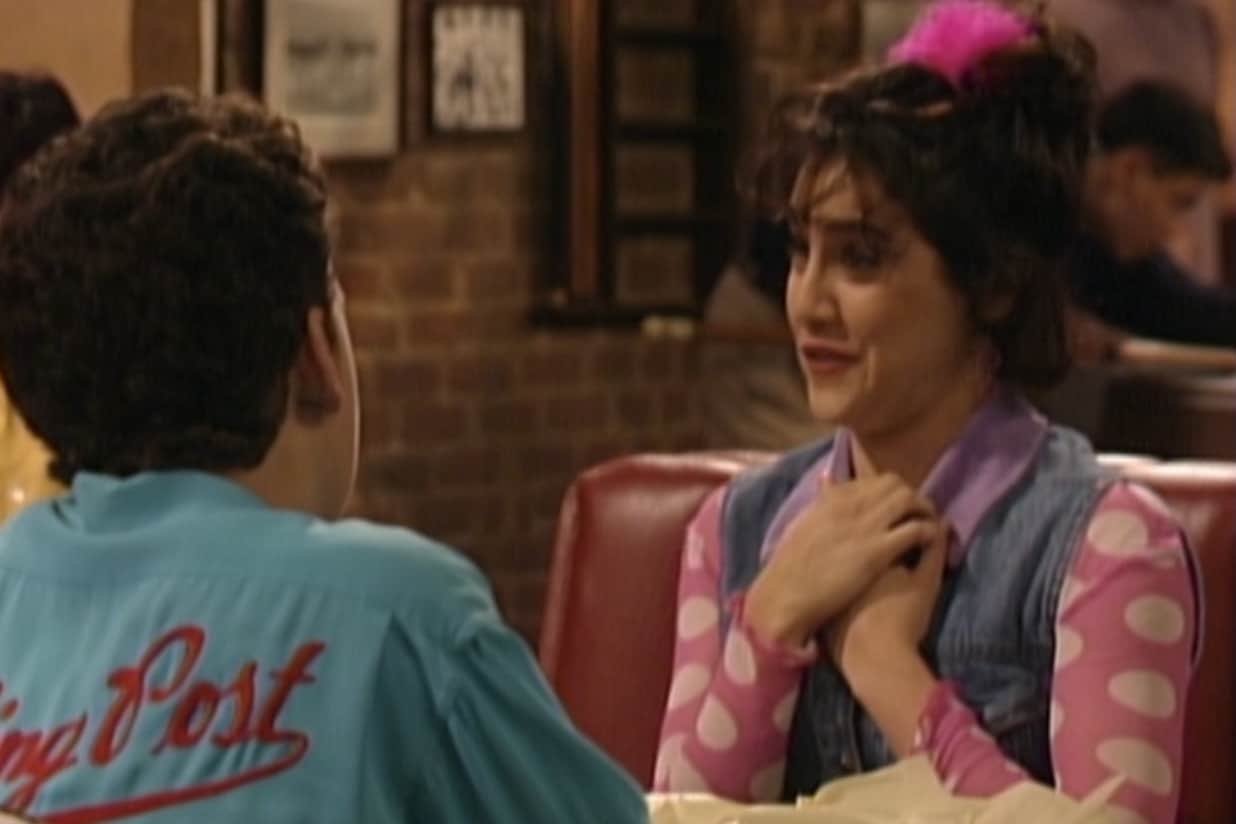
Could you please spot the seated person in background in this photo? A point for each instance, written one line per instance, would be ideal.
(189, 634)
(950, 574)
(34, 108)
(1174, 42)
(754, 395)
(1158, 152)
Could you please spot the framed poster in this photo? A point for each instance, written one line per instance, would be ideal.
(477, 78)
(334, 67)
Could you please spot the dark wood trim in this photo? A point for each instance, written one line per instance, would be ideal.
(650, 38)
(1227, 246)
(668, 132)
(580, 41)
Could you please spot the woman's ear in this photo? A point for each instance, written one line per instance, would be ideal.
(318, 385)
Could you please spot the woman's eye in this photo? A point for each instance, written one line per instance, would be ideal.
(861, 255)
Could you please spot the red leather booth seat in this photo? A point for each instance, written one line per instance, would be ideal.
(607, 642)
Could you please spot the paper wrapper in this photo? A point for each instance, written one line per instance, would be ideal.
(906, 793)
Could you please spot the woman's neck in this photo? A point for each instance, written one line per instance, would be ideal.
(910, 451)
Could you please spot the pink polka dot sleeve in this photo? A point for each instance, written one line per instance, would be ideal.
(732, 696)
(1125, 635)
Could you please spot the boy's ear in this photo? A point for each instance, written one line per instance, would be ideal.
(318, 379)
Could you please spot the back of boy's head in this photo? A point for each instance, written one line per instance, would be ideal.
(34, 108)
(1181, 135)
(156, 269)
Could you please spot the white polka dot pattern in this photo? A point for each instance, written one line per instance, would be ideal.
(685, 778)
(1069, 646)
(1155, 618)
(739, 660)
(688, 684)
(1057, 718)
(695, 550)
(1118, 532)
(783, 713)
(1197, 518)
(1145, 692)
(696, 616)
(1123, 815)
(670, 751)
(766, 784)
(1140, 761)
(1151, 501)
(1070, 592)
(716, 727)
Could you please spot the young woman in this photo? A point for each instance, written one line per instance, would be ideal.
(950, 574)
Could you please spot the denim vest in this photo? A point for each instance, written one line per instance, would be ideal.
(993, 633)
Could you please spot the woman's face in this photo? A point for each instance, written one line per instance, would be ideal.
(882, 334)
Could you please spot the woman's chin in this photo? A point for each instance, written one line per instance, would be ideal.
(831, 406)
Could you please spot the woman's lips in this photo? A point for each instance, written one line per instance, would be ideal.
(826, 359)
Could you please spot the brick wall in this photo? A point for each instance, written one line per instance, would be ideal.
(786, 43)
(475, 423)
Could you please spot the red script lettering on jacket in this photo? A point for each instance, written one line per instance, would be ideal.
(31, 758)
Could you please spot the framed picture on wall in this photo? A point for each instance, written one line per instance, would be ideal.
(478, 67)
(334, 66)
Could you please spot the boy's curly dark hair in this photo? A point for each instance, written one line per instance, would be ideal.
(156, 267)
(990, 172)
(34, 109)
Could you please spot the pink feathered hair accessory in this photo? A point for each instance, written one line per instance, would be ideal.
(953, 36)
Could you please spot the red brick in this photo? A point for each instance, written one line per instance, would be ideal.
(508, 418)
(474, 467)
(634, 409)
(528, 230)
(363, 281)
(481, 375)
(548, 459)
(445, 517)
(496, 281)
(500, 324)
(477, 231)
(688, 441)
(424, 279)
(676, 406)
(371, 331)
(552, 367)
(597, 452)
(393, 230)
(433, 328)
(578, 413)
(472, 177)
(416, 378)
(372, 181)
(381, 425)
(660, 362)
(431, 424)
(403, 473)
(544, 500)
(614, 362)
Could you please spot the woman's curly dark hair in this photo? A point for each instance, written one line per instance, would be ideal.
(990, 172)
(156, 268)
